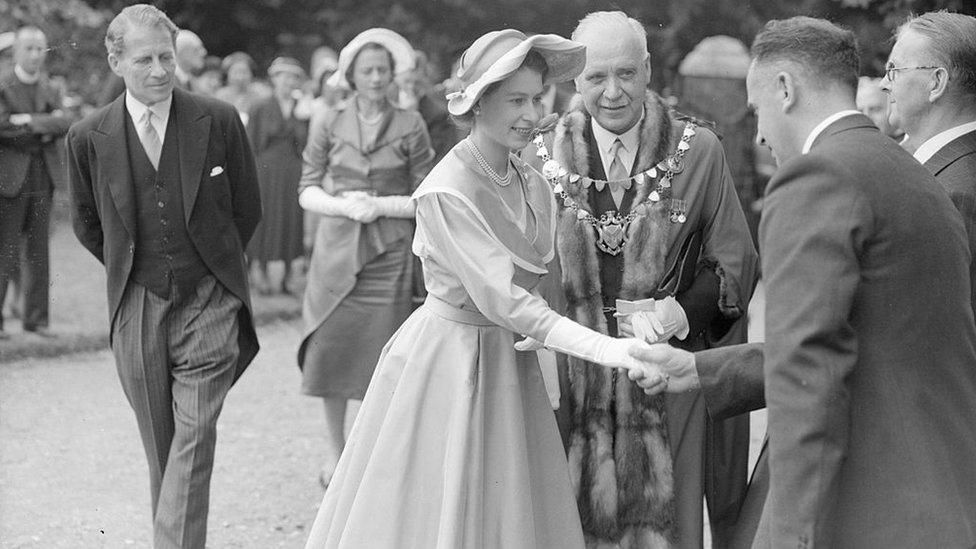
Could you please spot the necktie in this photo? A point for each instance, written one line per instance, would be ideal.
(150, 139)
(617, 176)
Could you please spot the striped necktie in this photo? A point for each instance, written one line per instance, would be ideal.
(151, 142)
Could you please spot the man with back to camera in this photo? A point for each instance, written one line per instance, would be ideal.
(870, 345)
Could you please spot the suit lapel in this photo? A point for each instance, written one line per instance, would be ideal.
(111, 150)
(954, 150)
(193, 127)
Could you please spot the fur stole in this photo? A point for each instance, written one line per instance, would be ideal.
(619, 454)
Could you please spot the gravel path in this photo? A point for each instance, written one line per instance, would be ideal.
(73, 473)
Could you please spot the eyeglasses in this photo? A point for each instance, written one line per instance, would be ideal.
(891, 71)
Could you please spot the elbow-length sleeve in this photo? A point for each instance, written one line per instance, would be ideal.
(450, 233)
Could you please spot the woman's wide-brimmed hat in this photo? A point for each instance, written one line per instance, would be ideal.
(286, 64)
(402, 51)
(498, 54)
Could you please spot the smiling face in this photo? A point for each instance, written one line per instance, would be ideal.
(146, 64)
(908, 93)
(615, 79)
(512, 110)
(372, 73)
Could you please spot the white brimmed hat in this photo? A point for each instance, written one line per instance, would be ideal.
(402, 51)
(498, 54)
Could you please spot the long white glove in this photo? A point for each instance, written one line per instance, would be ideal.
(394, 206)
(652, 320)
(315, 199)
(574, 339)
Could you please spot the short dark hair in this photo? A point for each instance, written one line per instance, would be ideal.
(952, 41)
(820, 47)
(533, 61)
(368, 46)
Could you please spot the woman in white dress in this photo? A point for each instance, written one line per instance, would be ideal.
(456, 445)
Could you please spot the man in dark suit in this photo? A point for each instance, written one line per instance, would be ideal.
(31, 124)
(164, 193)
(931, 83)
(870, 353)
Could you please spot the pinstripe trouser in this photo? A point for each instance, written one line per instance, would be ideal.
(176, 358)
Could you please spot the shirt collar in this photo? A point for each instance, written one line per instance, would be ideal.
(819, 128)
(25, 77)
(137, 110)
(605, 138)
(935, 143)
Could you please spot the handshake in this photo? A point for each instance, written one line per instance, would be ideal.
(663, 368)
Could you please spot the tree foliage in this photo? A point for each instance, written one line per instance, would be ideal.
(443, 28)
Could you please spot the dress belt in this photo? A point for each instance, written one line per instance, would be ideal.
(447, 311)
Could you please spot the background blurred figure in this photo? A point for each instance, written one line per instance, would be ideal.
(278, 131)
(362, 162)
(210, 78)
(931, 81)
(873, 102)
(190, 57)
(31, 165)
(241, 90)
(324, 65)
(417, 92)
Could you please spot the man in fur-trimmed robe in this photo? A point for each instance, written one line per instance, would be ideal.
(648, 210)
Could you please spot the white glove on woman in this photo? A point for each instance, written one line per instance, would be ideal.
(394, 206)
(315, 199)
(574, 339)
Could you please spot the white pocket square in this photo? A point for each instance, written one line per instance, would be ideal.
(216, 171)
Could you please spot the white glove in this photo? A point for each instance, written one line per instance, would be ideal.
(315, 199)
(574, 339)
(363, 209)
(394, 206)
(528, 344)
(652, 320)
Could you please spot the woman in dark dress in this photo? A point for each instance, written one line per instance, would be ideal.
(278, 132)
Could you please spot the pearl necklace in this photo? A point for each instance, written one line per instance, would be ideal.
(486, 167)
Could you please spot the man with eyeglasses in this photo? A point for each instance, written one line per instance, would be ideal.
(930, 79)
